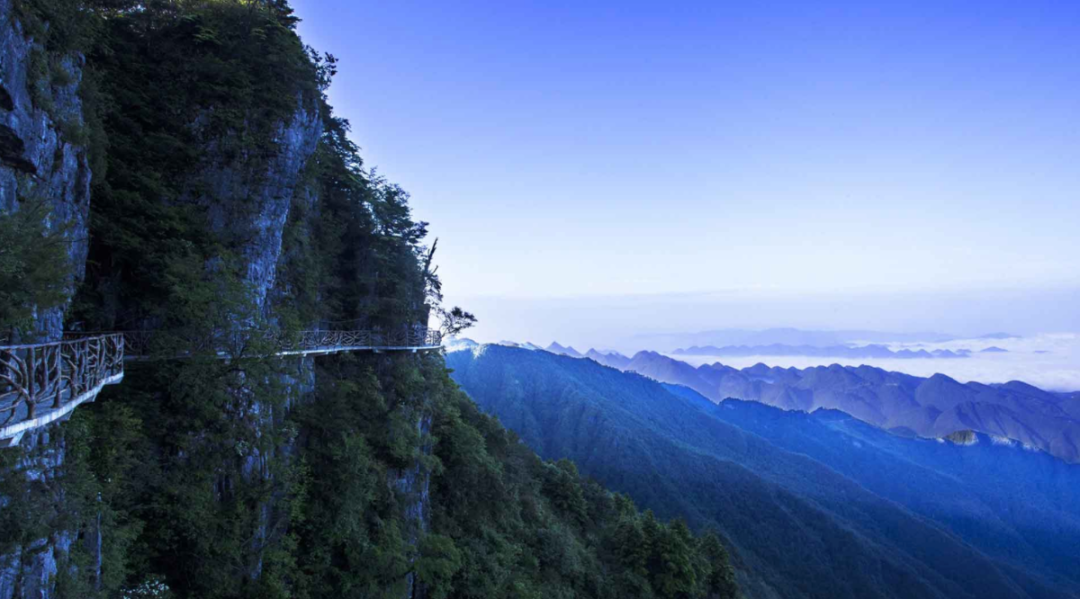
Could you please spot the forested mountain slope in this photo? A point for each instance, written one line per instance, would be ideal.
(1010, 502)
(800, 526)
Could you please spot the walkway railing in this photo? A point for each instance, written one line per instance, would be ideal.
(144, 345)
(45, 382)
(314, 341)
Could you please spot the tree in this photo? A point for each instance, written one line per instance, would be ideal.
(439, 560)
(33, 266)
(455, 320)
(720, 583)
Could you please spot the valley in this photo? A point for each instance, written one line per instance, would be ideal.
(812, 503)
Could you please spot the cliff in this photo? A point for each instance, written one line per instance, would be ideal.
(213, 192)
(44, 166)
(42, 156)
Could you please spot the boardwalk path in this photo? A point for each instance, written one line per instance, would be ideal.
(45, 382)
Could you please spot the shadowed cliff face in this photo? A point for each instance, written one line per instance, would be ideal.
(27, 569)
(249, 198)
(37, 160)
(39, 163)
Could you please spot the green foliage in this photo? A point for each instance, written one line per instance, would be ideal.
(218, 478)
(356, 258)
(59, 26)
(804, 514)
(179, 463)
(345, 508)
(455, 320)
(718, 574)
(62, 29)
(437, 562)
(74, 497)
(175, 105)
(523, 525)
(33, 266)
(561, 484)
(24, 517)
(178, 98)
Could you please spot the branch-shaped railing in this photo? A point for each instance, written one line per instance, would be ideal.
(44, 382)
(48, 376)
(420, 338)
(143, 345)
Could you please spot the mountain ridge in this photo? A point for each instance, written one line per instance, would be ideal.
(787, 336)
(931, 407)
(674, 455)
(832, 351)
(557, 349)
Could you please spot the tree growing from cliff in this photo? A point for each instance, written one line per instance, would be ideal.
(454, 321)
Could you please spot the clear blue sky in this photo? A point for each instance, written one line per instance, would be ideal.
(622, 148)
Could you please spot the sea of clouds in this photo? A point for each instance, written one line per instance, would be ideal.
(1048, 361)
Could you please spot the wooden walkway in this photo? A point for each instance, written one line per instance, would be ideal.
(43, 383)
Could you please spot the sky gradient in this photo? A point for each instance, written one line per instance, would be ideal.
(612, 149)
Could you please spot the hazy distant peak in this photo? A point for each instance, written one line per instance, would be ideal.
(757, 369)
(595, 353)
(943, 379)
(785, 336)
(608, 358)
(459, 344)
(851, 352)
(1026, 389)
(930, 407)
(555, 348)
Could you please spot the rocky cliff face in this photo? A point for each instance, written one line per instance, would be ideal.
(29, 570)
(39, 163)
(413, 488)
(39, 114)
(249, 197)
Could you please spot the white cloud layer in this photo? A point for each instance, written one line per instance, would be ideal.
(1048, 361)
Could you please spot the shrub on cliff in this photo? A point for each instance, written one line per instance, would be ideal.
(34, 267)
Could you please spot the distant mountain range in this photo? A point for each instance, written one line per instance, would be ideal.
(788, 336)
(555, 348)
(610, 358)
(832, 351)
(814, 505)
(929, 407)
